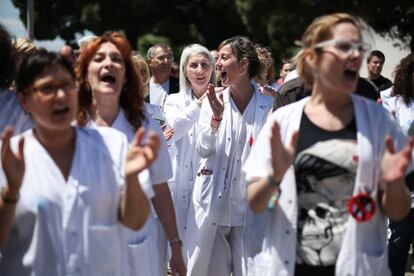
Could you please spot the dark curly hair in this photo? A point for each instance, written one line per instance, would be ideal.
(403, 82)
(132, 97)
(6, 58)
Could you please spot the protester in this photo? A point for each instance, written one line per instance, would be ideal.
(228, 126)
(182, 111)
(65, 190)
(331, 185)
(111, 95)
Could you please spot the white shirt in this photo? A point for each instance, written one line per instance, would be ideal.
(159, 92)
(12, 114)
(160, 170)
(68, 227)
(403, 113)
(234, 212)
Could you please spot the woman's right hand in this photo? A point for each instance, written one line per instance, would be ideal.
(13, 163)
(282, 156)
(216, 103)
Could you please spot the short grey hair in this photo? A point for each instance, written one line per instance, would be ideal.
(151, 50)
(188, 51)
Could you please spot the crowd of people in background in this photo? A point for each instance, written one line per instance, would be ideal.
(120, 163)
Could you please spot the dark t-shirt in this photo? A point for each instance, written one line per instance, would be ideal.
(325, 169)
(382, 83)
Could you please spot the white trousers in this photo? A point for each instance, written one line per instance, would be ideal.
(227, 253)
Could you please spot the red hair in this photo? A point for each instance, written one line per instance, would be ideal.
(131, 99)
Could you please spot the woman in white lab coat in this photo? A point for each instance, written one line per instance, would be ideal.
(111, 96)
(182, 111)
(332, 184)
(66, 190)
(229, 123)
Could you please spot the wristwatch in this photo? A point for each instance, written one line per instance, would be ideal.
(8, 200)
(272, 182)
(175, 240)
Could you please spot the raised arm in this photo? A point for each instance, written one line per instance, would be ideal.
(210, 122)
(134, 205)
(396, 199)
(262, 189)
(14, 169)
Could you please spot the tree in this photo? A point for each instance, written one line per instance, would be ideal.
(276, 24)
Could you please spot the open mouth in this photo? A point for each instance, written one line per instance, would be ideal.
(223, 75)
(107, 78)
(351, 74)
(200, 78)
(61, 111)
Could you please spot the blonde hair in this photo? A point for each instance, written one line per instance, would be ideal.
(24, 45)
(266, 72)
(319, 30)
(143, 69)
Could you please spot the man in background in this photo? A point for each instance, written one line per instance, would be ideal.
(375, 61)
(159, 59)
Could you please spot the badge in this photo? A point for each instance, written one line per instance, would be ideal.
(251, 140)
(361, 207)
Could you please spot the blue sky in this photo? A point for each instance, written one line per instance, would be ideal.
(9, 16)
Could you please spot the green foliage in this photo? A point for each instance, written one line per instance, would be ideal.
(147, 40)
(277, 24)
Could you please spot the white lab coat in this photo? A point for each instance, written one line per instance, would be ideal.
(182, 115)
(12, 114)
(207, 203)
(69, 227)
(364, 249)
(146, 247)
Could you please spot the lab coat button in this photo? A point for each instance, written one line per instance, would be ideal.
(228, 138)
(290, 201)
(214, 223)
(287, 232)
(286, 262)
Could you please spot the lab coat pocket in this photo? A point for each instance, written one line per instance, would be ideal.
(139, 261)
(364, 265)
(202, 187)
(105, 250)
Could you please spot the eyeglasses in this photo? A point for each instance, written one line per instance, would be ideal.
(344, 46)
(162, 58)
(51, 89)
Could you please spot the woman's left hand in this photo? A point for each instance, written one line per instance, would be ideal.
(140, 157)
(394, 164)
